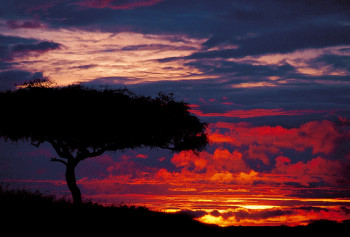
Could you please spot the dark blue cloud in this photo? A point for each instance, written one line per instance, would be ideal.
(256, 27)
(257, 214)
(10, 78)
(234, 69)
(6, 42)
(12, 46)
(4, 52)
(201, 18)
(9, 40)
(38, 47)
(330, 100)
(4, 65)
(9, 47)
(279, 42)
(336, 61)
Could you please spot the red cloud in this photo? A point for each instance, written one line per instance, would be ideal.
(221, 167)
(252, 113)
(261, 152)
(222, 160)
(316, 170)
(320, 136)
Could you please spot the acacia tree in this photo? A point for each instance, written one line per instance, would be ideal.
(81, 122)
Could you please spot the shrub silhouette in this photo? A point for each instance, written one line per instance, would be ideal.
(28, 212)
(81, 122)
(25, 213)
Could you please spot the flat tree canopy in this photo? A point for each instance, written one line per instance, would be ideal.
(81, 122)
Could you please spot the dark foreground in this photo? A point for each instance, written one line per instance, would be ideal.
(26, 213)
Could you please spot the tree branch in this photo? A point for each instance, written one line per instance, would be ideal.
(36, 144)
(58, 160)
(82, 155)
(60, 149)
(167, 147)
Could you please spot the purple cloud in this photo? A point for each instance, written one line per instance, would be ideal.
(12, 24)
(117, 5)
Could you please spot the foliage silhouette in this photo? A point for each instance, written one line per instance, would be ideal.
(81, 122)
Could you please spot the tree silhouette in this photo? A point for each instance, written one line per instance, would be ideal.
(81, 122)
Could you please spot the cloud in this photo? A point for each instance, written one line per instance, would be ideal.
(290, 216)
(242, 69)
(207, 52)
(282, 42)
(271, 88)
(258, 214)
(84, 67)
(65, 52)
(253, 113)
(335, 61)
(193, 214)
(210, 19)
(262, 152)
(320, 136)
(116, 5)
(316, 170)
(219, 168)
(279, 69)
(12, 47)
(220, 161)
(251, 217)
(7, 41)
(9, 78)
(13, 24)
(156, 47)
(40, 47)
(279, 99)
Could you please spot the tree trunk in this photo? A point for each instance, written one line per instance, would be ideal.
(72, 184)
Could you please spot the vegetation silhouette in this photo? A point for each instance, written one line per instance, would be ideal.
(26, 212)
(82, 122)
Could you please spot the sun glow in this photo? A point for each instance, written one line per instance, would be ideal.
(258, 207)
(209, 219)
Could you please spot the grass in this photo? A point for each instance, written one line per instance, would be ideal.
(25, 212)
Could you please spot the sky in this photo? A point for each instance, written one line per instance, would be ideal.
(270, 77)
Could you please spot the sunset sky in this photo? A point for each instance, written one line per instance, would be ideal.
(270, 77)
